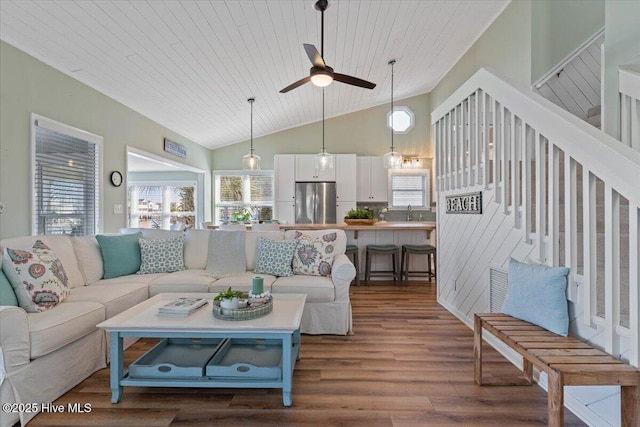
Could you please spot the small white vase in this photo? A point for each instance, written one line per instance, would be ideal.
(228, 304)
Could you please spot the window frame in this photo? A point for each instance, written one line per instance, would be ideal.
(168, 183)
(242, 173)
(73, 132)
(426, 176)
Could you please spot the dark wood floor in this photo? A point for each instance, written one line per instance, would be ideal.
(408, 364)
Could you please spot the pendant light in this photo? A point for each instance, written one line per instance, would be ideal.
(323, 160)
(251, 161)
(392, 159)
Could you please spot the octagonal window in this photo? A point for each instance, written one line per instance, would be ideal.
(403, 119)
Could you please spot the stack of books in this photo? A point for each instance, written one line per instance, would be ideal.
(182, 307)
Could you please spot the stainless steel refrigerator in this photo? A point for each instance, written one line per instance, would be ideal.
(315, 202)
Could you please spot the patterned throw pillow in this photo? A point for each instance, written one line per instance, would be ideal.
(274, 257)
(314, 255)
(161, 255)
(37, 277)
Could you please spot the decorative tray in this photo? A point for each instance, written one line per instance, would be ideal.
(253, 311)
(355, 221)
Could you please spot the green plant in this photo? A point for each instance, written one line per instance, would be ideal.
(242, 216)
(228, 294)
(359, 213)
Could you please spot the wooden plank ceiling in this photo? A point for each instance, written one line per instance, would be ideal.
(191, 65)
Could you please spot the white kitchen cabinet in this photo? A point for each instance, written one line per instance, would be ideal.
(342, 207)
(284, 166)
(285, 212)
(306, 169)
(372, 179)
(346, 176)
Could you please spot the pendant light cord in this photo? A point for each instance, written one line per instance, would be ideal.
(251, 100)
(323, 120)
(392, 62)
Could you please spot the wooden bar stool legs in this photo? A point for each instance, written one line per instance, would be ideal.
(353, 251)
(392, 250)
(407, 251)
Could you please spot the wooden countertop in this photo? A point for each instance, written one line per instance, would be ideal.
(380, 225)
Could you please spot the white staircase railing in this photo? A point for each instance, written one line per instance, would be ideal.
(540, 160)
(629, 88)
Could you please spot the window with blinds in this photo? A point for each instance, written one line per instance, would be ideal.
(409, 188)
(66, 179)
(239, 193)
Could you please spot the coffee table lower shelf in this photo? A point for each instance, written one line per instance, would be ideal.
(226, 376)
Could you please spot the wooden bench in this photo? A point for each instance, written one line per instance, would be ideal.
(565, 360)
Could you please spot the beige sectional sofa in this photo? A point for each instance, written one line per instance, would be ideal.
(45, 354)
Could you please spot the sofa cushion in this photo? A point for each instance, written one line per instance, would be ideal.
(196, 244)
(240, 282)
(116, 298)
(226, 253)
(63, 249)
(152, 233)
(161, 255)
(7, 294)
(275, 257)
(314, 255)
(251, 241)
(318, 289)
(131, 278)
(37, 277)
(53, 329)
(181, 281)
(340, 243)
(120, 254)
(89, 257)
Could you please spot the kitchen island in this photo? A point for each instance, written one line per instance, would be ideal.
(381, 233)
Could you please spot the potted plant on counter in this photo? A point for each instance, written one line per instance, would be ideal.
(360, 216)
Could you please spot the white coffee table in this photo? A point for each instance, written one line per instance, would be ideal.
(282, 324)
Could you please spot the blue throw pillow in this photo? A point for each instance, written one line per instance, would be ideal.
(7, 295)
(275, 257)
(120, 254)
(538, 294)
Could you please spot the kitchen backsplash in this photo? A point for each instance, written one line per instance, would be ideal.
(399, 215)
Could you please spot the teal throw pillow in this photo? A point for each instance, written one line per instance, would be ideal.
(7, 295)
(275, 257)
(120, 254)
(161, 255)
(538, 294)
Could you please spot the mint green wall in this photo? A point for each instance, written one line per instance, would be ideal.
(621, 46)
(504, 47)
(558, 28)
(363, 133)
(30, 86)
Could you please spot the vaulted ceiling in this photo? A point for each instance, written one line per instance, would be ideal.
(191, 65)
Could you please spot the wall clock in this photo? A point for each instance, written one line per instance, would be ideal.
(116, 178)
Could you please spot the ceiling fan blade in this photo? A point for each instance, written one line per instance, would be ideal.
(353, 81)
(296, 84)
(314, 56)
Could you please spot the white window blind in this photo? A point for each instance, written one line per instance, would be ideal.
(239, 192)
(408, 189)
(66, 180)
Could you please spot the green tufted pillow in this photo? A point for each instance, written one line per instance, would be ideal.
(120, 254)
(162, 255)
(275, 257)
(7, 294)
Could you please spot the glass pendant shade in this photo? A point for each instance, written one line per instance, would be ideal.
(392, 160)
(251, 161)
(323, 161)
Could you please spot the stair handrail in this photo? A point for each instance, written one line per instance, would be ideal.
(603, 155)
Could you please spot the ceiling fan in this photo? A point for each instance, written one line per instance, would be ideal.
(321, 74)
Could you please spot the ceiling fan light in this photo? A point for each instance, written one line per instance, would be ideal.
(321, 78)
(251, 161)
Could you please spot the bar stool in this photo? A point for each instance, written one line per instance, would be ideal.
(407, 251)
(392, 250)
(353, 251)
